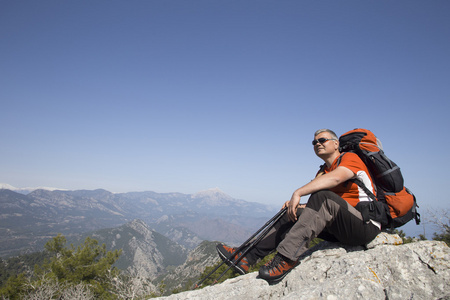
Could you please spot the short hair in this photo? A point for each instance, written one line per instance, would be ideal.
(333, 135)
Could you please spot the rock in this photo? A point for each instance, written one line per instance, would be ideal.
(385, 269)
(385, 238)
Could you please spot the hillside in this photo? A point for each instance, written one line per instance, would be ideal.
(145, 252)
(187, 274)
(385, 270)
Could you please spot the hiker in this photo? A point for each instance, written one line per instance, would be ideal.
(329, 214)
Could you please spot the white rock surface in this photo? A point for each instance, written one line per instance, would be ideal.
(384, 270)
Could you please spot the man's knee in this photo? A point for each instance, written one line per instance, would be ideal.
(317, 199)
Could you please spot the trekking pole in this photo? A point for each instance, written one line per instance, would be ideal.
(266, 226)
(257, 240)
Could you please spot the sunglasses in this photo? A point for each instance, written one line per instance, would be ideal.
(321, 140)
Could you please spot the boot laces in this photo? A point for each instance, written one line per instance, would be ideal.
(276, 261)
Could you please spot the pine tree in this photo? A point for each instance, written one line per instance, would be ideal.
(87, 267)
(444, 235)
(89, 263)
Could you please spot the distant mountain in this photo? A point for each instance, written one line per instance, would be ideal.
(28, 221)
(170, 227)
(27, 190)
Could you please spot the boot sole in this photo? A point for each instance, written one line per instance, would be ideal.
(276, 280)
(229, 263)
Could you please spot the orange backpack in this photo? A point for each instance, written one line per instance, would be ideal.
(399, 204)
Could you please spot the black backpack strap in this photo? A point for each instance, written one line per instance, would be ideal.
(322, 168)
(377, 210)
(364, 188)
(340, 158)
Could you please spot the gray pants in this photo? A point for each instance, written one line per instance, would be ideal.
(326, 216)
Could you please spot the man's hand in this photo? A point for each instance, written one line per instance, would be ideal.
(292, 206)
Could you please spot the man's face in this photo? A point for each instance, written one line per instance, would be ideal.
(327, 147)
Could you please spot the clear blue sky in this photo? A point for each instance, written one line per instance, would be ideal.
(183, 96)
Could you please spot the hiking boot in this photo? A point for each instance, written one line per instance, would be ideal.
(225, 253)
(276, 269)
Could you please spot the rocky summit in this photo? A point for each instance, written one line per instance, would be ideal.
(384, 269)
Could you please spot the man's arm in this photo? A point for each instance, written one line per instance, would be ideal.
(323, 182)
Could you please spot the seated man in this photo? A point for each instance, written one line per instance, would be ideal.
(329, 214)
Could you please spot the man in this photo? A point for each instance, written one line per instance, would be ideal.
(329, 214)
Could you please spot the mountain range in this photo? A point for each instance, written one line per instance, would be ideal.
(28, 221)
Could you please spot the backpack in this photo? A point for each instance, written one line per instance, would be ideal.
(394, 205)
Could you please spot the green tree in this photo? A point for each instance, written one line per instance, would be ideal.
(14, 287)
(444, 235)
(89, 265)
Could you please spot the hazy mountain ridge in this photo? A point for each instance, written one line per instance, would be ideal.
(28, 221)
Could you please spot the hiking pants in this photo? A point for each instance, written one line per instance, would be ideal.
(326, 216)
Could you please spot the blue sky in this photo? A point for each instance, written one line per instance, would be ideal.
(183, 96)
